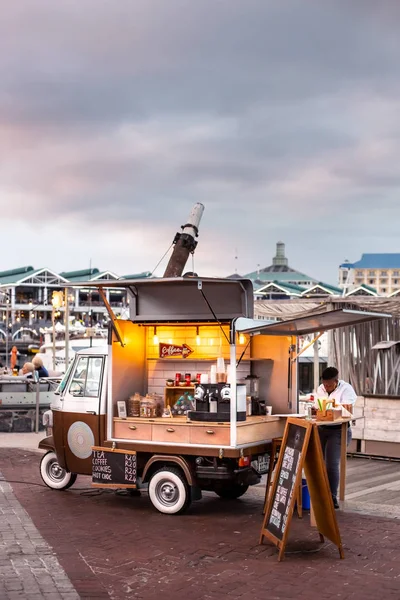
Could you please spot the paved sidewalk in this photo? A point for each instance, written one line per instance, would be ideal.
(115, 547)
(23, 441)
(28, 566)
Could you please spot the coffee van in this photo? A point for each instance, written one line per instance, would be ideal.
(218, 437)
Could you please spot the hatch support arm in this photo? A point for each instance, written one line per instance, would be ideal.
(112, 316)
(306, 347)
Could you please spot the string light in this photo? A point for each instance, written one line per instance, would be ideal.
(155, 337)
(198, 339)
(242, 339)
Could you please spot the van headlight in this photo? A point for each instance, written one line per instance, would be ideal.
(47, 418)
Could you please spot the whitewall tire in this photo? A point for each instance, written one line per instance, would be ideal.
(54, 476)
(168, 491)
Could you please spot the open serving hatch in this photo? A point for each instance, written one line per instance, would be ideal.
(307, 324)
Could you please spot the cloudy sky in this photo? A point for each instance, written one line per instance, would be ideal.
(282, 117)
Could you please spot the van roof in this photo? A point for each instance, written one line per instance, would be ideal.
(94, 350)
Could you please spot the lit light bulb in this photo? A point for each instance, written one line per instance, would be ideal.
(155, 337)
(198, 339)
(242, 339)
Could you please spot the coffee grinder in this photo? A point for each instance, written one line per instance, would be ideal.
(252, 391)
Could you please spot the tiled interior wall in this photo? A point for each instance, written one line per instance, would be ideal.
(212, 343)
(161, 370)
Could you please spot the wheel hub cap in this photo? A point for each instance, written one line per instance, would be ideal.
(167, 492)
(55, 471)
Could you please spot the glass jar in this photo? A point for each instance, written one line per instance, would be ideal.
(134, 406)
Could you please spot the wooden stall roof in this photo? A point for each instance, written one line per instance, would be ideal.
(290, 309)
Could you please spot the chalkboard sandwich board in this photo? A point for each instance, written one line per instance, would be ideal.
(113, 468)
(287, 478)
(300, 448)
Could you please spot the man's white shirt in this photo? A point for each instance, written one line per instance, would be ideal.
(344, 393)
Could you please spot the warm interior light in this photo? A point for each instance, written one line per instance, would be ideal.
(211, 341)
(170, 341)
(198, 339)
(155, 337)
(242, 339)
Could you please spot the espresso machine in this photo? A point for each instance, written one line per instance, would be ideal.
(213, 402)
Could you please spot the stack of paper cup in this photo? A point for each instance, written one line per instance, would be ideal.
(221, 374)
(204, 378)
(220, 365)
(213, 374)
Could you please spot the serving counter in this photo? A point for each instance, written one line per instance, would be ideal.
(180, 430)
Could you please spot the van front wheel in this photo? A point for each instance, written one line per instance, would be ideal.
(168, 491)
(54, 476)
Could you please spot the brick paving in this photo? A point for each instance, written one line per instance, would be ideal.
(28, 567)
(118, 547)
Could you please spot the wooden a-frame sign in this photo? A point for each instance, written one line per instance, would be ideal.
(300, 449)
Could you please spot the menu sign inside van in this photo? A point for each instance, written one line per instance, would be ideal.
(113, 468)
(174, 351)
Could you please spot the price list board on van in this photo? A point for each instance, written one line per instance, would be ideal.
(113, 468)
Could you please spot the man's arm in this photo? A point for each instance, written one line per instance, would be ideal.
(349, 396)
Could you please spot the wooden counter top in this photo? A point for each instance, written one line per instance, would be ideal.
(253, 420)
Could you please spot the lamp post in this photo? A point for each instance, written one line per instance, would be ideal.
(67, 301)
(56, 301)
(6, 298)
(7, 327)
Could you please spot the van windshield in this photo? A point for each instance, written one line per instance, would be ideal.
(64, 380)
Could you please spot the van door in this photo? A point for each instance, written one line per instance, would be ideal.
(83, 424)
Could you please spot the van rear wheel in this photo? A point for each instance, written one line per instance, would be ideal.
(54, 476)
(169, 491)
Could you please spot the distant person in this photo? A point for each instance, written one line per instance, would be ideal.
(27, 370)
(14, 357)
(39, 367)
(333, 388)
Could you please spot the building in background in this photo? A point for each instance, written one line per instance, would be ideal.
(377, 272)
(279, 280)
(26, 297)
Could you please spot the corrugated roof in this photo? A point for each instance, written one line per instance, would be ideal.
(377, 261)
(360, 288)
(13, 275)
(137, 275)
(324, 287)
(82, 275)
(291, 277)
(286, 287)
(17, 271)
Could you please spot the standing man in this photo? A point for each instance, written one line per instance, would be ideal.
(333, 388)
